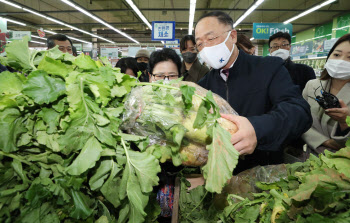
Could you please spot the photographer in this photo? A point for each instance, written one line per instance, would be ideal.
(329, 130)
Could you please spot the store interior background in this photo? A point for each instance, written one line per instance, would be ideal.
(313, 34)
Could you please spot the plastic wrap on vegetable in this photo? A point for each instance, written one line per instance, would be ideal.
(160, 114)
(244, 183)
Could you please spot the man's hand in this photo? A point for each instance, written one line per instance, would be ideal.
(244, 140)
(339, 114)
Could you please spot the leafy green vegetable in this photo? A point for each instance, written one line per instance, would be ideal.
(222, 159)
(42, 88)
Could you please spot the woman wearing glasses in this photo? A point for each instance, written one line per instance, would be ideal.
(165, 65)
(329, 129)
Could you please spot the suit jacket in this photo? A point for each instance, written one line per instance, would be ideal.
(323, 127)
(260, 88)
(196, 72)
(300, 73)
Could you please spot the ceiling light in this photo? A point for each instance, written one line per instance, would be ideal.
(309, 11)
(50, 32)
(100, 21)
(251, 38)
(36, 42)
(250, 10)
(51, 19)
(13, 21)
(10, 3)
(138, 12)
(38, 37)
(191, 18)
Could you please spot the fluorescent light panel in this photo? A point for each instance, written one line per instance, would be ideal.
(13, 21)
(138, 12)
(250, 10)
(309, 11)
(98, 20)
(37, 42)
(52, 19)
(191, 16)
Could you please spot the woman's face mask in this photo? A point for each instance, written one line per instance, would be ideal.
(339, 69)
(189, 57)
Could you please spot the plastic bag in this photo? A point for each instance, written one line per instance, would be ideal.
(243, 184)
(159, 114)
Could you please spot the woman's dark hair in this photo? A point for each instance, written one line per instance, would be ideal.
(223, 17)
(50, 41)
(165, 54)
(346, 37)
(280, 35)
(127, 62)
(183, 42)
(243, 40)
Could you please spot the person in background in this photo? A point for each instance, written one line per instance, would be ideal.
(191, 69)
(279, 45)
(74, 50)
(244, 43)
(128, 65)
(142, 57)
(270, 107)
(63, 42)
(329, 130)
(164, 64)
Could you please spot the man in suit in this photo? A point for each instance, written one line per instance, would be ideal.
(280, 45)
(271, 108)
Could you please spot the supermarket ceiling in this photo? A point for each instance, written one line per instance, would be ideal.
(127, 27)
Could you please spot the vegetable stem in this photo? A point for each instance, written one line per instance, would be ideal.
(15, 157)
(166, 86)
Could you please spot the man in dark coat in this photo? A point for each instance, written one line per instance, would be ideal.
(280, 45)
(271, 108)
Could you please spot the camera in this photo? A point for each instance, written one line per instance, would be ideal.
(328, 100)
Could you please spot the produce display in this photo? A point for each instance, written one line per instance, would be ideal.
(317, 190)
(64, 156)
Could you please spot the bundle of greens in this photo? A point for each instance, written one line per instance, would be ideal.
(317, 190)
(63, 156)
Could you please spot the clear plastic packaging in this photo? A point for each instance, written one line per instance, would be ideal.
(159, 113)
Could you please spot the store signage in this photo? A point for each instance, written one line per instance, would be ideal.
(172, 44)
(163, 30)
(18, 35)
(265, 30)
(41, 32)
(110, 52)
(132, 51)
(87, 46)
(78, 46)
(328, 44)
(3, 33)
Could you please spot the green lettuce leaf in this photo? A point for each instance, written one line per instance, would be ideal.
(10, 83)
(139, 177)
(42, 88)
(87, 158)
(222, 159)
(11, 127)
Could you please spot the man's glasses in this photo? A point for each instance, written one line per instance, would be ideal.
(283, 46)
(201, 45)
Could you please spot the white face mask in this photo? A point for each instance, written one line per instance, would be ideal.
(339, 69)
(217, 56)
(282, 53)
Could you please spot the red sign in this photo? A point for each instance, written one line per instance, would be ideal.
(41, 32)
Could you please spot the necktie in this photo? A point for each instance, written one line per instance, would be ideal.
(226, 72)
